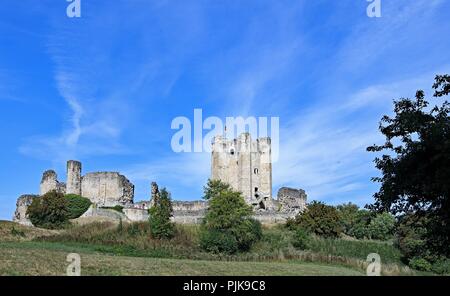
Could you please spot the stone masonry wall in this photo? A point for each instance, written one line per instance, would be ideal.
(21, 209)
(246, 166)
(50, 182)
(107, 189)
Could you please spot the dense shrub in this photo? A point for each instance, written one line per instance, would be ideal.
(246, 233)
(410, 237)
(382, 226)
(49, 211)
(77, 205)
(420, 264)
(361, 229)
(348, 215)
(160, 224)
(441, 266)
(354, 221)
(320, 219)
(301, 239)
(227, 221)
(217, 241)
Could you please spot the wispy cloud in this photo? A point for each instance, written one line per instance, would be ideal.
(323, 150)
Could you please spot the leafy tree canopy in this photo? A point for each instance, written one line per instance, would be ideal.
(160, 213)
(415, 169)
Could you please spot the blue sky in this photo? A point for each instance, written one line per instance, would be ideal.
(104, 88)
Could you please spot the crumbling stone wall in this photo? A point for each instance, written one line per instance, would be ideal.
(107, 189)
(291, 200)
(189, 212)
(136, 214)
(50, 182)
(22, 204)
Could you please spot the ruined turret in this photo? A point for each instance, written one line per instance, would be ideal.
(73, 177)
(246, 165)
(50, 182)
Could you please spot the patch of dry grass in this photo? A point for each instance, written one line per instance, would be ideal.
(13, 232)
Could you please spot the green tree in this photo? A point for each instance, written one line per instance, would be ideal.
(214, 187)
(320, 219)
(360, 229)
(228, 225)
(382, 226)
(348, 214)
(415, 171)
(49, 211)
(410, 236)
(77, 205)
(161, 227)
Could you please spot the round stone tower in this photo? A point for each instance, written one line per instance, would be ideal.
(73, 177)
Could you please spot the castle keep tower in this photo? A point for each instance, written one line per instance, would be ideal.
(246, 165)
(73, 177)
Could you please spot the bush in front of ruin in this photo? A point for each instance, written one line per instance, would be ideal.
(320, 219)
(301, 239)
(228, 225)
(49, 211)
(77, 205)
(161, 227)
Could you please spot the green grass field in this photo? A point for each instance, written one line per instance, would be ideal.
(25, 258)
(106, 250)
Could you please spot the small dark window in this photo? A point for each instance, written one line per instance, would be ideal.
(256, 189)
(256, 171)
(262, 206)
(232, 151)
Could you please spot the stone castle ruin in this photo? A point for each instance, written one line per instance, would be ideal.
(105, 189)
(244, 164)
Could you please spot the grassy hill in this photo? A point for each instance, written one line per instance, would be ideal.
(107, 250)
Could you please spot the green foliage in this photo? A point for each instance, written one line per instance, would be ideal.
(49, 211)
(301, 239)
(216, 241)
(214, 188)
(416, 168)
(441, 266)
(320, 219)
(420, 264)
(382, 226)
(410, 236)
(348, 214)
(160, 225)
(247, 233)
(361, 229)
(411, 239)
(355, 248)
(227, 221)
(354, 221)
(77, 205)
